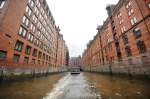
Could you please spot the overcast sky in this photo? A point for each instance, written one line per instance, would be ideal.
(78, 20)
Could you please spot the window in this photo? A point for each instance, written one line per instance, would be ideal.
(43, 56)
(32, 27)
(35, 41)
(31, 3)
(16, 58)
(42, 45)
(133, 20)
(25, 20)
(2, 2)
(26, 59)
(123, 29)
(39, 62)
(3, 54)
(29, 11)
(119, 15)
(22, 32)
(33, 61)
(128, 5)
(38, 42)
(130, 11)
(40, 55)
(137, 32)
(121, 21)
(28, 50)
(125, 39)
(18, 46)
(128, 51)
(47, 57)
(34, 53)
(36, 10)
(141, 46)
(39, 5)
(30, 37)
(34, 19)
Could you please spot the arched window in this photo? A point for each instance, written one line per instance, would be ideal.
(141, 46)
(125, 39)
(128, 51)
(137, 32)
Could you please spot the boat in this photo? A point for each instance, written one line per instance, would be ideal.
(75, 72)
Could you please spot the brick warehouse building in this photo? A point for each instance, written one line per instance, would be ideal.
(62, 52)
(122, 44)
(75, 63)
(28, 34)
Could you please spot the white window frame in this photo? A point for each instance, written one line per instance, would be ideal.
(22, 31)
(28, 11)
(32, 3)
(129, 13)
(25, 20)
(33, 29)
(132, 11)
(30, 37)
(31, 26)
(133, 20)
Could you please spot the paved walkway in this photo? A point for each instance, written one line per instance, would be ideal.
(72, 87)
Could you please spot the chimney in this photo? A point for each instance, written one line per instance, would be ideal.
(109, 9)
(99, 28)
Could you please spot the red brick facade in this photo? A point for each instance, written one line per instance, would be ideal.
(123, 39)
(28, 34)
(75, 62)
(62, 51)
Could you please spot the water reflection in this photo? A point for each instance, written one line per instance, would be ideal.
(72, 87)
(30, 89)
(111, 87)
(82, 86)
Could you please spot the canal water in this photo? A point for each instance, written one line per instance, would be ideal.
(112, 87)
(82, 86)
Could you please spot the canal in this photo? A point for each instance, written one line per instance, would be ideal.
(82, 86)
